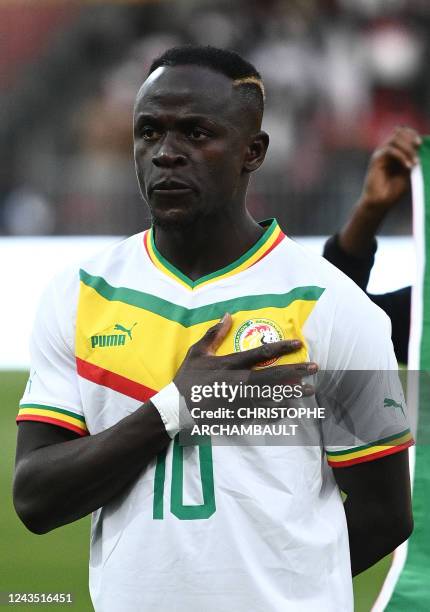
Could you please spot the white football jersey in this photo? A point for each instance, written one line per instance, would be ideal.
(238, 527)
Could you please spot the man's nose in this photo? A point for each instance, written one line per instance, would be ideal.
(169, 153)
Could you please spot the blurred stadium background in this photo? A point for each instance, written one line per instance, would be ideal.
(339, 75)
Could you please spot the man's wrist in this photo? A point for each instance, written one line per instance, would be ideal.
(172, 409)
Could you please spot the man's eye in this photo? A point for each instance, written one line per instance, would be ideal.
(197, 134)
(148, 133)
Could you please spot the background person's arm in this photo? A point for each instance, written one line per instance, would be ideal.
(353, 249)
(386, 181)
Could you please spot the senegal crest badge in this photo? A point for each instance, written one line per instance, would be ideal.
(256, 332)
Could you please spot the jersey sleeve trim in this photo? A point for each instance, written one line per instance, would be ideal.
(54, 416)
(369, 452)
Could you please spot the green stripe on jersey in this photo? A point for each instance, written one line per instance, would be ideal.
(370, 445)
(264, 238)
(189, 317)
(53, 409)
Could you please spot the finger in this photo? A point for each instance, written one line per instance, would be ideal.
(289, 373)
(407, 146)
(248, 359)
(407, 157)
(403, 134)
(404, 138)
(214, 336)
(398, 155)
(408, 140)
(408, 134)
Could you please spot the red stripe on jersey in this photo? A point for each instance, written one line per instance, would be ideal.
(51, 421)
(114, 381)
(388, 451)
(277, 241)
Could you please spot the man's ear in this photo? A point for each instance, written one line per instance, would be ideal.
(256, 151)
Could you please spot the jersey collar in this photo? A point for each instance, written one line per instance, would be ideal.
(268, 241)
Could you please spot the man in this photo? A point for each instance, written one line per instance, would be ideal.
(353, 249)
(205, 527)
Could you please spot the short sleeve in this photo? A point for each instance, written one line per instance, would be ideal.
(52, 391)
(366, 416)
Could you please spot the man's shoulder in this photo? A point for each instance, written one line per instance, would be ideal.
(115, 255)
(340, 292)
(346, 330)
(102, 263)
(310, 266)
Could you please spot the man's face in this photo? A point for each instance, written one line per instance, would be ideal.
(189, 145)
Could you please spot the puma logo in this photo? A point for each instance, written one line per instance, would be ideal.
(390, 403)
(119, 327)
(109, 340)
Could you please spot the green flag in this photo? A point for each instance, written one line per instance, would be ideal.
(407, 586)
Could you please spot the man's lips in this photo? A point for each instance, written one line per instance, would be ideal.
(170, 187)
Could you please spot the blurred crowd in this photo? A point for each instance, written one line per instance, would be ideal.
(339, 74)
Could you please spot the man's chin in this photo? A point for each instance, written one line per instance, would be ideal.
(175, 219)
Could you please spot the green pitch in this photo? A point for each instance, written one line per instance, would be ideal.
(58, 561)
(53, 563)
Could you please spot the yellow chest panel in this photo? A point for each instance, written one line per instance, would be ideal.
(146, 341)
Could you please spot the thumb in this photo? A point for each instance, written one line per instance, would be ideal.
(213, 338)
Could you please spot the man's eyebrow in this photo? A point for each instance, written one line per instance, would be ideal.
(189, 117)
(196, 118)
(185, 119)
(139, 117)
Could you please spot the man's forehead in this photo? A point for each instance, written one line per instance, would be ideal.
(199, 89)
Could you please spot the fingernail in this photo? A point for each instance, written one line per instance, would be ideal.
(415, 160)
(296, 343)
(312, 368)
(224, 318)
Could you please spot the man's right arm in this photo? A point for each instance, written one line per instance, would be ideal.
(60, 477)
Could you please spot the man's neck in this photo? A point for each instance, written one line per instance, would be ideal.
(209, 244)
